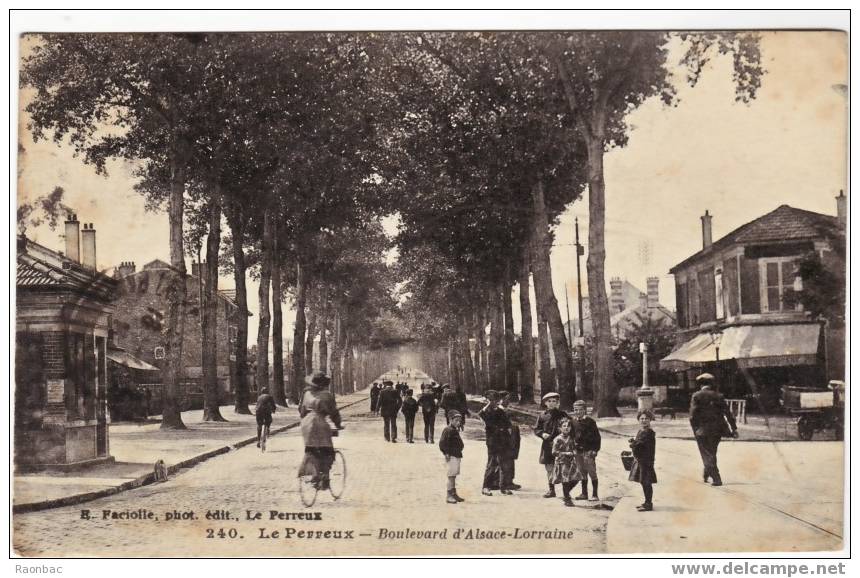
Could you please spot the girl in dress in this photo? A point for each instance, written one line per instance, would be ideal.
(644, 446)
(564, 469)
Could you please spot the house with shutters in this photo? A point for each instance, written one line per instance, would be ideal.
(138, 330)
(735, 314)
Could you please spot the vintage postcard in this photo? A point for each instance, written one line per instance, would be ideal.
(428, 293)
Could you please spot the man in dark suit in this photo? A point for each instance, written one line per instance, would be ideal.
(711, 420)
(389, 405)
(374, 397)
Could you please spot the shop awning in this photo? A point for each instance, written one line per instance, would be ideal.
(128, 360)
(751, 346)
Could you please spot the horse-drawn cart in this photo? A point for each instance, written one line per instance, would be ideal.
(816, 408)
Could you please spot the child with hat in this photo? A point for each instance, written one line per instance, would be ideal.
(547, 428)
(586, 441)
(451, 445)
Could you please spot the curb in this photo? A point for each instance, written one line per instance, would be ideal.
(148, 479)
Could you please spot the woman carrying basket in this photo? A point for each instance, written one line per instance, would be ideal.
(318, 404)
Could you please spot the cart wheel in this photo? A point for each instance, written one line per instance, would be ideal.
(805, 429)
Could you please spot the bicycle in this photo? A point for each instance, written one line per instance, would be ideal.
(264, 435)
(310, 481)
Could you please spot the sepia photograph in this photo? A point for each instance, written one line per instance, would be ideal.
(427, 291)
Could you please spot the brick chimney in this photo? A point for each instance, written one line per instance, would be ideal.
(73, 238)
(125, 269)
(88, 246)
(616, 295)
(842, 207)
(653, 288)
(707, 238)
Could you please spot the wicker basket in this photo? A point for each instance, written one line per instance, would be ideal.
(627, 460)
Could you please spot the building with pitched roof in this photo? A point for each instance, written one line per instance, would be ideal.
(62, 317)
(735, 311)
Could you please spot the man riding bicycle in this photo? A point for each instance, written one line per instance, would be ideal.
(265, 409)
(318, 404)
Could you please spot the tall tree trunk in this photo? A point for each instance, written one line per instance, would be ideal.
(176, 296)
(605, 390)
(209, 329)
(324, 306)
(299, 332)
(544, 292)
(335, 353)
(309, 341)
(547, 377)
(349, 378)
(469, 381)
(527, 360)
(242, 395)
(497, 340)
(485, 348)
(265, 316)
(478, 335)
(511, 361)
(278, 392)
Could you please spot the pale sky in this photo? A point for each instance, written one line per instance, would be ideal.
(789, 146)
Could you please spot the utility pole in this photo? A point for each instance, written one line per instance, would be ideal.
(567, 306)
(580, 347)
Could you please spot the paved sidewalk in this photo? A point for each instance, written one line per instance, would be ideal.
(136, 448)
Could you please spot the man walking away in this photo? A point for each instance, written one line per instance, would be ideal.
(409, 409)
(389, 405)
(711, 420)
(263, 411)
(427, 401)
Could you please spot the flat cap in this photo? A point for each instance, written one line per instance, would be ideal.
(550, 395)
(580, 403)
(705, 377)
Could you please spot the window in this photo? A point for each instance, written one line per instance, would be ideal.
(718, 293)
(778, 280)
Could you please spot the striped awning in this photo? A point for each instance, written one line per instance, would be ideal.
(751, 346)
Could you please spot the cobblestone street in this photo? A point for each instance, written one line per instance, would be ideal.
(390, 487)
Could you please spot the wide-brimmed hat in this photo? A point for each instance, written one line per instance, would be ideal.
(318, 379)
(705, 377)
(550, 395)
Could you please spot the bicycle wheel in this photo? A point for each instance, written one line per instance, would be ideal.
(263, 437)
(337, 476)
(308, 480)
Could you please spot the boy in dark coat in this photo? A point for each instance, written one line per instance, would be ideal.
(389, 405)
(498, 434)
(586, 441)
(409, 409)
(451, 445)
(547, 428)
(427, 402)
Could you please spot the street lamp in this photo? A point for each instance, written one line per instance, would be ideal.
(716, 338)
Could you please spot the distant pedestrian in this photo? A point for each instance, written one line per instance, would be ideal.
(586, 439)
(427, 402)
(451, 446)
(564, 469)
(547, 428)
(498, 436)
(263, 411)
(389, 405)
(644, 447)
(374, 397)
(711, 419)
(409, 409)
